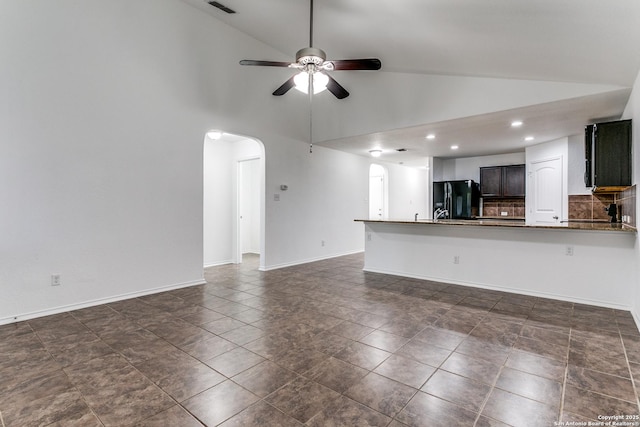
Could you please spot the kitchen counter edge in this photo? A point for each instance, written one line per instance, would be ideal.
(571, 225)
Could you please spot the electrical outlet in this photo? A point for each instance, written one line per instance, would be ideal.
(568, 251)
(55, 280)
(456, 259)
(276, 197)
(369, 236)
(322, 243)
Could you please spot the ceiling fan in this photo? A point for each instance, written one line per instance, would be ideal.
(313, 65)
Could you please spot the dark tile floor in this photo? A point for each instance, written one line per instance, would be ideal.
(321, 344)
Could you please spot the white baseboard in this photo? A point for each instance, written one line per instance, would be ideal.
(507, 289)
(307, 260)
(92, 303)
(218, 263)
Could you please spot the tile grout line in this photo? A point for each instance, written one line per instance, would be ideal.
(121, 355)
(626, 356)
(497, 377)
(495, 380)
(565, 377)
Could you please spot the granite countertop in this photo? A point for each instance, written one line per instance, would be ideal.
(571, 225)
(503, 218)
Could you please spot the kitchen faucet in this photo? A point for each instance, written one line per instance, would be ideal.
(440, 213)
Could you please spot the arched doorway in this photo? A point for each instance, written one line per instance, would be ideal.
(233, 199)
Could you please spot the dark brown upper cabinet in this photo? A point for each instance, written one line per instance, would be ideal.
(491, 181)
(608, 155)
(502, 181)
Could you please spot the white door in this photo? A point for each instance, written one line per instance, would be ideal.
(248, 207)
(376, 197)
(545, 177)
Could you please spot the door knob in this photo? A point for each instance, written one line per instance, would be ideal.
(555, 217)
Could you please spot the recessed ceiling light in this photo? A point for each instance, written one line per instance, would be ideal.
(431, 136)
(516, 123)
(529, 138)
(375, 153)
(454, 147)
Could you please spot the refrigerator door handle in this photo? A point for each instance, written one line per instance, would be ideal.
(447, 199)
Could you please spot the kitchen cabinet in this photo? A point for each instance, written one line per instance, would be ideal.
(491, 181)
(502, 181)
(608, 155)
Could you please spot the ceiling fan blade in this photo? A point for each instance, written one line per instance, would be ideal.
(335, 88)
(354, 64)
(286, 86)
(265, 63)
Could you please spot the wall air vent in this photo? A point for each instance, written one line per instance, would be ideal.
(221, 7)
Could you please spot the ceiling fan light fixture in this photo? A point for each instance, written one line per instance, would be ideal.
(375, 153)
(214, 135)
(320, 81)
(313, 60)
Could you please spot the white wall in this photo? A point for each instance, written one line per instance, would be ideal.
(437, 168)
(105, 106)
(529, 261)
(407, 192)
(218, 202)
(632, 111)
(576, 166)
(332, 187)
(469, 167)
(328, 189)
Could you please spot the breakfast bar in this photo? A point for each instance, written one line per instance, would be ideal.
(585, 262)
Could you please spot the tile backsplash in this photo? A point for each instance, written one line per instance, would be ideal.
(593, 207)
(590, 207)
(627, 206)
(494, 207)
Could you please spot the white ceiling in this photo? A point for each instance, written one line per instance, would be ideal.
(576, 41)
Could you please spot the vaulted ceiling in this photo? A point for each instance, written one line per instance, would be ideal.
(460, 69)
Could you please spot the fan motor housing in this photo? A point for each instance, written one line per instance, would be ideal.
(311, 55)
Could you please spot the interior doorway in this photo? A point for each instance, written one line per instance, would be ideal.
(378, 192)
(233, 199)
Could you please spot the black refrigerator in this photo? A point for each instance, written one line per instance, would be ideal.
(458, 199)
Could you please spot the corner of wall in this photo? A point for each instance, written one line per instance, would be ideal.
(632, 111)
